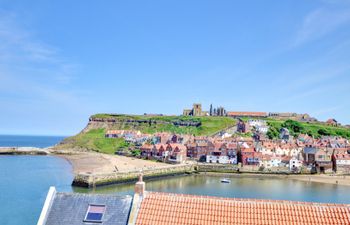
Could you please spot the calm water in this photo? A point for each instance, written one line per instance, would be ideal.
(241, 187)
(25, 180)
(29, 141)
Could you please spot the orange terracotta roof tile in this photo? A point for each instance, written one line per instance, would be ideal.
(170, 209)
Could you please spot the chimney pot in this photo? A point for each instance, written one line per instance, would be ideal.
(140, 186)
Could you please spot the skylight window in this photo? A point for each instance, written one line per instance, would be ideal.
(95, 213)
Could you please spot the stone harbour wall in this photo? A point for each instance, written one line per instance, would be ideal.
(94, 180)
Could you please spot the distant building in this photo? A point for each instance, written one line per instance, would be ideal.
(292, 116)
(247, 114)
(219, 111)
(195, 111)
(242, 127)
(332, 122)
(284, 133)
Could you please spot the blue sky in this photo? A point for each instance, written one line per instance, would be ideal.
(61, 61)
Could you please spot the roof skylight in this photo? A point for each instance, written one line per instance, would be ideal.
(95, 213)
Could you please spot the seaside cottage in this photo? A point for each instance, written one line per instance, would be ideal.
(176, 152)
(341, 160)
(159, 152)
(295, 164)
(216, 157)
(146, 150)
(309, 155)
(250, 157)
(157, 208)
(323, 158)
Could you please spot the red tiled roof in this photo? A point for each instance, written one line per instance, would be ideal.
(263, 114)
(170, 209)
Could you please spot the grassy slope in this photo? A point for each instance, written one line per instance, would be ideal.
(313, 128)
(209, 125)
(94, 139)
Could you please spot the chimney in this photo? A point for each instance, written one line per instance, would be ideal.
(140, 186)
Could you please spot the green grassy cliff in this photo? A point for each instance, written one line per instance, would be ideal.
(92, 137)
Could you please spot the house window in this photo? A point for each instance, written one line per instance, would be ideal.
(95, 213)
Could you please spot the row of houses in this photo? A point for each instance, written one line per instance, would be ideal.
(325, 154)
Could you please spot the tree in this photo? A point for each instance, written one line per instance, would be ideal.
(323, 132)
(293, 126)
(272, 133)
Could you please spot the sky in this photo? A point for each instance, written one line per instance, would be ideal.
(62, 61)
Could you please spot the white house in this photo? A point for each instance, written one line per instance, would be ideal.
(262, 129)
(282, 151)
(256, 123)
(268, 161)
(295, 163)
(295, 152)
(221, 159)
(266, 151)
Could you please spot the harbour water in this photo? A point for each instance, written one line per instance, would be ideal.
(24, 182)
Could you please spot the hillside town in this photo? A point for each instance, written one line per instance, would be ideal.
(301, 154)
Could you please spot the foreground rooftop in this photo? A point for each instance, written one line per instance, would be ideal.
(157, 208)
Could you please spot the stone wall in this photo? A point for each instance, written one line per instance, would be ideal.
(92, 180)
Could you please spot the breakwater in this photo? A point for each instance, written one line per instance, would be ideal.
(90, 180)
(93, 180)
(22, 151)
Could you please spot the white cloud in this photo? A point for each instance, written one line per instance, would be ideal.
(320, 23)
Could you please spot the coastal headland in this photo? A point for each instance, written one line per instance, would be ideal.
(116, 148)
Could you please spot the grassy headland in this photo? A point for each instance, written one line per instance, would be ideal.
(93, 137)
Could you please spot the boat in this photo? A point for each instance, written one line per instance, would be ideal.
(225, 180)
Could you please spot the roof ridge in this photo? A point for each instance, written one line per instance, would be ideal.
(94, 194)
(251, 200)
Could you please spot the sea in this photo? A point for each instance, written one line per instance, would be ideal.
(25, 180)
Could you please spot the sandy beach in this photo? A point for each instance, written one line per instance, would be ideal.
(98, 163)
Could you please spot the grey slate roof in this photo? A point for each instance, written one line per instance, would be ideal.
(310, 150)
(71, 208)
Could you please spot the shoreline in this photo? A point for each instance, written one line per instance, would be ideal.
(317, 178)
(91, 169)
